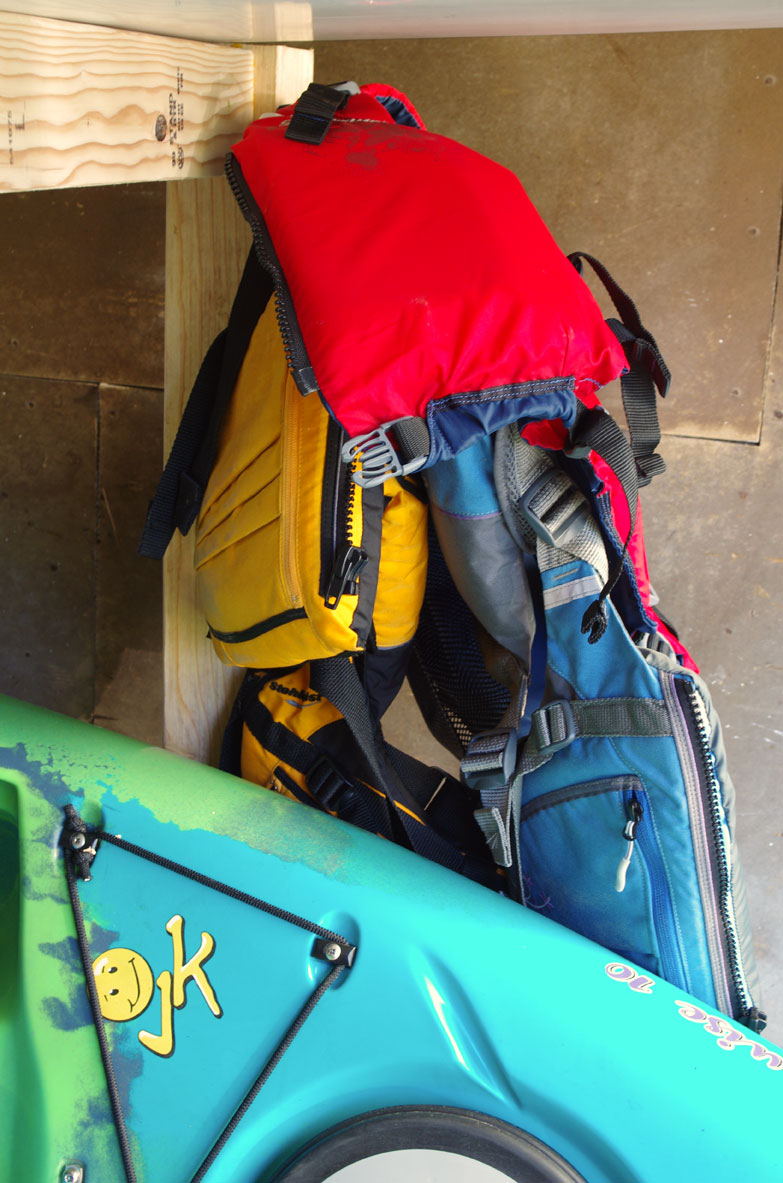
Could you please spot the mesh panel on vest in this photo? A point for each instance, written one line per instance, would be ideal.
(447, 675)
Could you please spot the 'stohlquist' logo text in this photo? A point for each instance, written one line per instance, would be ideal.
(302, 695)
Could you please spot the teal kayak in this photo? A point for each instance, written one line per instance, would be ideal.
(200, 979)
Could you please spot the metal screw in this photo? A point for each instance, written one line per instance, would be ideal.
(73, 1173)
(332, 951)
(77, 842)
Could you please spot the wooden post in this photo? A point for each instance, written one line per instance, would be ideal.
(207, 243)
(85, 105)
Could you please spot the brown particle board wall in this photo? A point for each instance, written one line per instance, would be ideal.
(659, 153)
(81, 376)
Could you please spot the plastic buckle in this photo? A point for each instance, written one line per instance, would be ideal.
(555, 719)
(567, 528)
(328, 785)
(378, 457)
(490, 760)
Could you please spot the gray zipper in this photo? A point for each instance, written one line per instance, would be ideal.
(702, 792)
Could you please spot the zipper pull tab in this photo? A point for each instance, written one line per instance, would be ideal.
(629, 833)
(343, 581)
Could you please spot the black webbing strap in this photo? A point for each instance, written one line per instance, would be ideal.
(314, 112)
(595, 430)
(647, 371)
(440, 799)
(184, 478)
(328, 788)
(338, 680)
(445, 802)
(641, 412)
(413, 437)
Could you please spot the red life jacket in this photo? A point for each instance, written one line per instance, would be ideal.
(420, 279)
(421, 295)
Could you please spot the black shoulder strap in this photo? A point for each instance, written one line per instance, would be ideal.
(338, 680)
(415, 805)
(184, 478)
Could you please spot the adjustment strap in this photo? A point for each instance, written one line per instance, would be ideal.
(641, 411)
(542, 506)
(630, 317)
(596, 431)
(498, 820)
(559, 723)
(327, 787)
(647, 371)
(554, 727)
(495, 823)
(178, 496)
(314, 112)
(488, 767)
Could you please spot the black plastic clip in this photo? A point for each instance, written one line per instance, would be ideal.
(327, 784)
(314, 112)
(79, 844)
(333, 950)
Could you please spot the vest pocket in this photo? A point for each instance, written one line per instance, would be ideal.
(578, 846)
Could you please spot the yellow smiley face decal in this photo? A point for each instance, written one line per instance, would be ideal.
(124, 982)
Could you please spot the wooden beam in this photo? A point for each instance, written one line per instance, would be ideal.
(207, 243)
(86, 105)
(281, 73)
